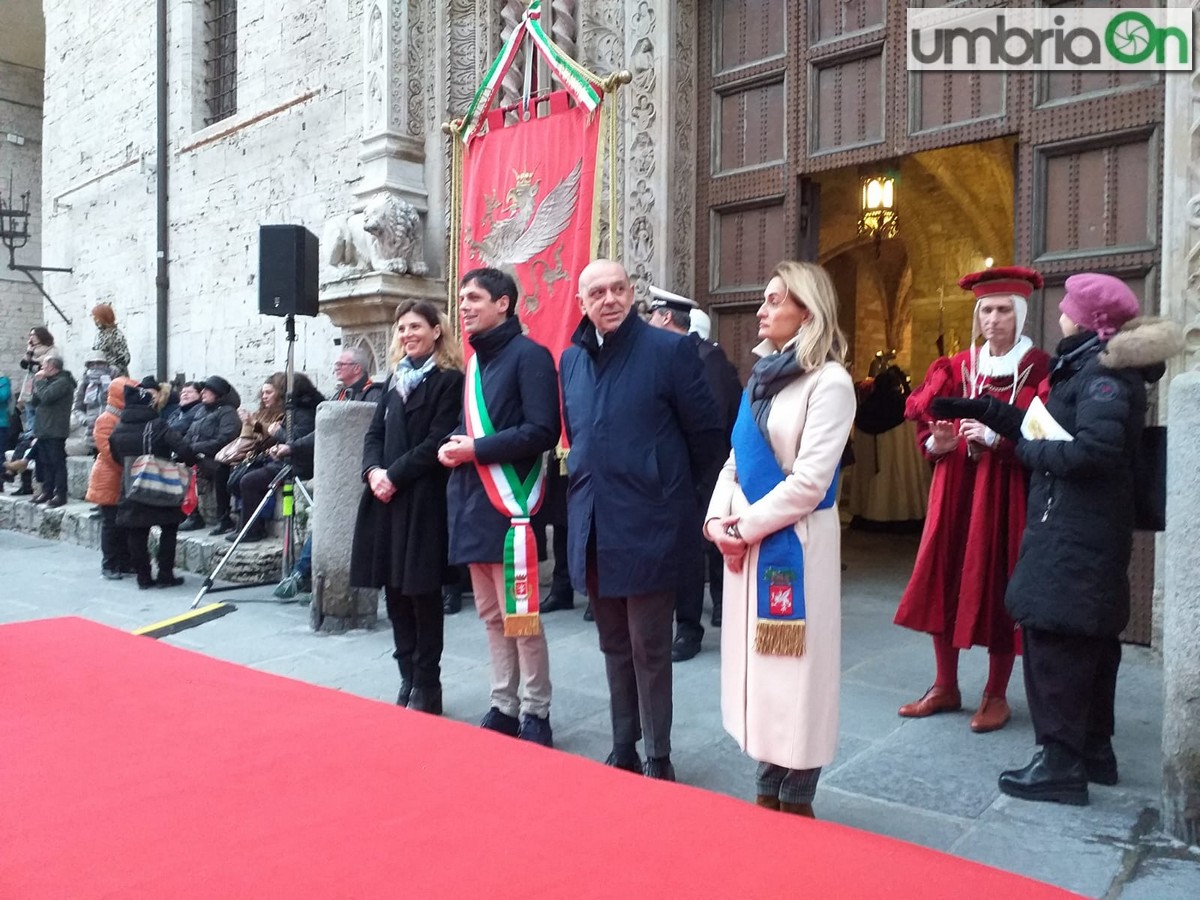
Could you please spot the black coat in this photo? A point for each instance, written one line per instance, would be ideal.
(520, 390)
(644, 432)
(128, 442)
(403, 543)
(1071, 574)
(213, 427)
(723, 381)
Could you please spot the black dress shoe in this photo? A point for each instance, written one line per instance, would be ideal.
(56, 501)
(426, 700)
(40, 498)
(169, 580)
(684, 648)
(256, 533)
(452, 600)
(405, 694)
(1054, 775)
(193, 522)
(558, 600)
(625, 759)
(1100, 762)
(659, 767)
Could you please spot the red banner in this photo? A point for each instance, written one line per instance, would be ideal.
(528, 200)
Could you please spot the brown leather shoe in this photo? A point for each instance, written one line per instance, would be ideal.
(798, 809)
(992, 715)
(767, 801)
(937, 699)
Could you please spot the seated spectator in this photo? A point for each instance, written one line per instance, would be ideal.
(210, 430)
(254, 484)
(189, 404)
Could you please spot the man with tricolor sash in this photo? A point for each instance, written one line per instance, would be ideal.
(498, 454)
(644, 430)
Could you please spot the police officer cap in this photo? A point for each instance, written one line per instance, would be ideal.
(661, 299)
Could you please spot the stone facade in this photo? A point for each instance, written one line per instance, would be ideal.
(21, 158)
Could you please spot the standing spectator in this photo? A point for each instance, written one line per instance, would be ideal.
(189, 404)
(216, 425)
(104, 485)
(92, 394)
(109, 339)
(774, 516)
(1070, 589)
(254, 484)
(644, 430)
(6, 401)
(53, 388)
(354, 382)
(140, 428)
(976, 510)
(674, 313)
(41, 342)
(400, 536)
(512, 410)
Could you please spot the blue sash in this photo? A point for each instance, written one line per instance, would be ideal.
(780, 574)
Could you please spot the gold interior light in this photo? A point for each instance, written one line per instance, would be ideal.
(877, 216)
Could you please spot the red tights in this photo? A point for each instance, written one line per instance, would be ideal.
(1000, 666)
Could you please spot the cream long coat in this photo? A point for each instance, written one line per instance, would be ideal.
(783, 709)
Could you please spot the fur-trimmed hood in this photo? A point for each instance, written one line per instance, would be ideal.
(1145, 343)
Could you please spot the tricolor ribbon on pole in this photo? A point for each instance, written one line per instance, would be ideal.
(583, 85)
(518, 499)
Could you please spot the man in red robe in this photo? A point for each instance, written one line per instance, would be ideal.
(976, 500)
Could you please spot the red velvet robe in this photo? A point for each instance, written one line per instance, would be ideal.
(975, 518)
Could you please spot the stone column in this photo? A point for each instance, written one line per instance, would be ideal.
(336, 607)
(1181, 616)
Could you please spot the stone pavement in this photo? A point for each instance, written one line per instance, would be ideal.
(931, 781)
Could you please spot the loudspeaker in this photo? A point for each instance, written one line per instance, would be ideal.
(288, 263)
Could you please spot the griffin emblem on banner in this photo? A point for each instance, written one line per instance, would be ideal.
(528, 227)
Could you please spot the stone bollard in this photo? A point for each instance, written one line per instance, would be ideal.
(1181, 615)
(337, 607)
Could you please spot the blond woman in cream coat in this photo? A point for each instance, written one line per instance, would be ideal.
(783, 709)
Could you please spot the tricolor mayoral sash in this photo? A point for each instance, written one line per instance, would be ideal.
(780, 575)
(519, 500)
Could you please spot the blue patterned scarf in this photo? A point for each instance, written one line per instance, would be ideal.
(410, 373)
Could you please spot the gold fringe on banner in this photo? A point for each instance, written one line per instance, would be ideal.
(522, 625)
(779, 638)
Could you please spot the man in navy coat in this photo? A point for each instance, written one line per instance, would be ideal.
(644, 429)
(521, 398)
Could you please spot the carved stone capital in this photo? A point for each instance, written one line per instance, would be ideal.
(365, 302)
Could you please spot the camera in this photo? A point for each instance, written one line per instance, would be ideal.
(30, 363)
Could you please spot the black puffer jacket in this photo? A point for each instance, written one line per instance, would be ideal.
(214, 426)
(1071, 575)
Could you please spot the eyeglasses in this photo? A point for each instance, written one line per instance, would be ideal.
(339, 364)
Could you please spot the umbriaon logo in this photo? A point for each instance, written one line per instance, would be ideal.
(1050, 39)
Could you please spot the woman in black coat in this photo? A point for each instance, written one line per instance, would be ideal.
(141, 427)
(254, 484)
(1069, 591)
(400, 537)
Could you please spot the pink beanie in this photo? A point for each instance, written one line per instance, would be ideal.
(1099, 303)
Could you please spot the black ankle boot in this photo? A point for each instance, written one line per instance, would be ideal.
(406, 685)
(1054, 775)
(426, 700)
(1099, 761)
(194, 522)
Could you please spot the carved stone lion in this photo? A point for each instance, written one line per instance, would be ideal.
(385, 237)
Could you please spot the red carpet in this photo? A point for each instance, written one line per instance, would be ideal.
(132, 769)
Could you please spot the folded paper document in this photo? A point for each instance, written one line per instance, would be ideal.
(1039, 425)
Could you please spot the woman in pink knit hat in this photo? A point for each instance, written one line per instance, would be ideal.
(1070, 591)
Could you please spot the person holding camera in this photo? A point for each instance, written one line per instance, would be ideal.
(53, 389)
(41, 342)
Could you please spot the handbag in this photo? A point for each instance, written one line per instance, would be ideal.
(152, 480)
(1150, 480)
(238, 472)
(236, 450)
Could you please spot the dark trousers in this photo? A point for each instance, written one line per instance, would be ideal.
(716, 574)
(253, 488)
(1070, 684)
(139, 552)
(218, 475)
(114, 543)
(417, 628)
(635, 638)
(52, 465)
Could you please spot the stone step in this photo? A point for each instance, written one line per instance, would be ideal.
(198, 552)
